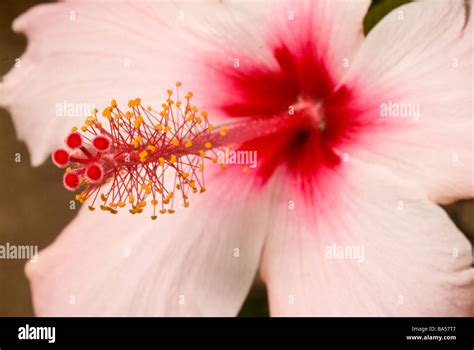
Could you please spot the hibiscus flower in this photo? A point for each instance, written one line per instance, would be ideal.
(340, 216)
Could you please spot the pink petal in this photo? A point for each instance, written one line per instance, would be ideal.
(414, 261)
(336, 27)
(142, 48)
(421, 55)
(122, 51)
(290, 47)
(200, 261)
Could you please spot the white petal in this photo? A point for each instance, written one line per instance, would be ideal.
(420, 56)
(92, 52)
(374, 246)
(200, 261)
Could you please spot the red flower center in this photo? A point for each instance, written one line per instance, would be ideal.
(301, 86)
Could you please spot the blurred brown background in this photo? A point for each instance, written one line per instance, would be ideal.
(34, 206)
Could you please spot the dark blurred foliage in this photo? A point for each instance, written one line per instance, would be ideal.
(378, 10)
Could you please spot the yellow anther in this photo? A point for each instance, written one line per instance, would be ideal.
(184, 175)
(121, 204)
(136, 142)
(204, 114)
(74, 129)
(94, 111)
(84, 128)
(178, 84)
(172, 159)
(137, 101)
(103, 197)
(128, 115)
(151, 148)
(80, 198)
(107, 112)
(138, 122)
(170, 211)
(188, 144)
(162, 161)
(91, 208)
(159, 127)
(154, 217)
(113, 103)
(202, 153)
(178, 104)
(185, 204)
(210, 127)
(118, 116)
(167, 128)
(201, 167)
(149, 108)
(194, 109)
(198, 120)
(223, 131)
(202, 190)
(143, 204)
(153, 202)
(208, 145)
(175, 142)
(170, 92)
(131, 199)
